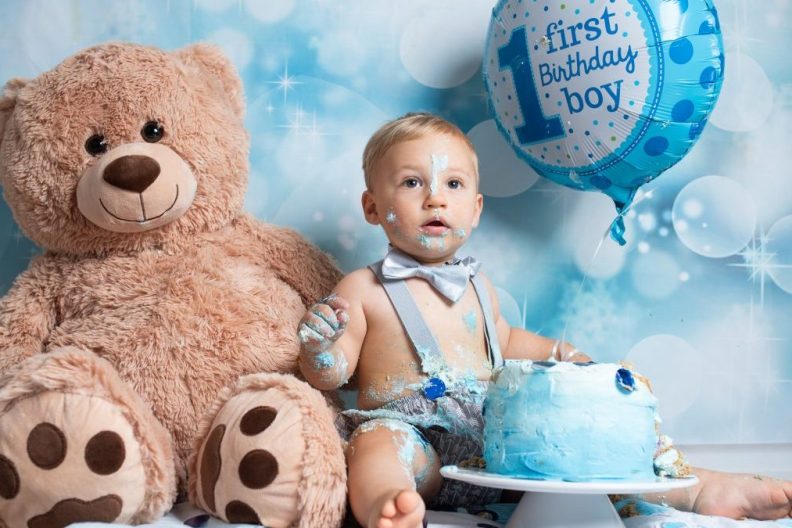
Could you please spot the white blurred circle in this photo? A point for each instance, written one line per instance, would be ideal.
(501, 172)
(509, 308)
(647, 221)
(655, 275)
(443, 48)
(779, 244)
(341, 53)
(714, 216)
(746, 97)
(235, 44)
(268, 11)
(673, 366)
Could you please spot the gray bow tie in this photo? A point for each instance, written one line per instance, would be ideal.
(450, 280)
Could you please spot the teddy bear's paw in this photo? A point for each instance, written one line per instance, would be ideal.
(67, 458)
(249, 466)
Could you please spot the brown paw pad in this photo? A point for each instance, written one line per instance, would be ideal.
(46, 446)
(239, 512)
(258, 469)
(105, 453)
(103, 509)
(211, 463)
(257, 420)
(9, 479)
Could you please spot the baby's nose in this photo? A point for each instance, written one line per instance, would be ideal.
(435, 198)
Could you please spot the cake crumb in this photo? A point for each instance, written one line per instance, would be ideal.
(473, 462)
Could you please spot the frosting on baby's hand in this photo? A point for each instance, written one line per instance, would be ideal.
(323, 324)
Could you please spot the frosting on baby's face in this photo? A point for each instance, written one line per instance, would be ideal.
(424, 194)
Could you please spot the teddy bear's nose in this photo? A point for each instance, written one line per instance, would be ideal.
(132, 173)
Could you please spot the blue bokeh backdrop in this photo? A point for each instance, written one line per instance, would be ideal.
(699, 297)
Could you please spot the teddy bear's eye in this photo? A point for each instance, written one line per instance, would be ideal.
(152, 131)
(96, 145)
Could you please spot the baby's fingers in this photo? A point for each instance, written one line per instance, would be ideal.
(336, 302)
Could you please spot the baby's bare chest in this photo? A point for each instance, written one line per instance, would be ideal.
(457, 328)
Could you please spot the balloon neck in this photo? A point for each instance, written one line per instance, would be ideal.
(617, 228)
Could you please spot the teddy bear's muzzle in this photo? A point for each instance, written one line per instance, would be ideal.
(136, 187)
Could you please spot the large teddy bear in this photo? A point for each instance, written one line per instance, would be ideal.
(150, 349)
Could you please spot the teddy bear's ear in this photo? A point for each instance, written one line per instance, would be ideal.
(8, 101)
(210, 60)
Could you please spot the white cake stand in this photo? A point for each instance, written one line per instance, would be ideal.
(557, 504)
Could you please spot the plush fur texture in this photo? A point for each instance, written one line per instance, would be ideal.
(173, 313)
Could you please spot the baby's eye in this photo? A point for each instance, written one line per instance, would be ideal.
(411, 183)
(454, 184)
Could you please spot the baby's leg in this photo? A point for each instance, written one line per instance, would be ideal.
(732, 495)
(740, 495)
(392, 469)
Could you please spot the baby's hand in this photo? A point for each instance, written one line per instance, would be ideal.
(323, 324)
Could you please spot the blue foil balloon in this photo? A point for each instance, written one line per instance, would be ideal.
(603, 94)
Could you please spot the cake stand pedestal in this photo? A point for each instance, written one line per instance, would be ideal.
(557, 504)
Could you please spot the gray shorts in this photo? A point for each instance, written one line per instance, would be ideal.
(452, 424)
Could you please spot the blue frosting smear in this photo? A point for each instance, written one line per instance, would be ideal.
(568, 422)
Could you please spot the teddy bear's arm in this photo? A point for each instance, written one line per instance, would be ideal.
(298, 263)
(27, 314)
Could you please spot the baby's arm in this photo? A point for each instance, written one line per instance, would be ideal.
(517, 343)
(331, 334)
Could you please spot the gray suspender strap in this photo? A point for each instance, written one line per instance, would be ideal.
(415, 327)
(490, 332)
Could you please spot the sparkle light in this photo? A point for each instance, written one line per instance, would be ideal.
(285, 82)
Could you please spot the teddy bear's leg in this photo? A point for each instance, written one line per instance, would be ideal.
(270, 455)
(78, 444)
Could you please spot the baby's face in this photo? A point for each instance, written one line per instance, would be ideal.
(424, 194)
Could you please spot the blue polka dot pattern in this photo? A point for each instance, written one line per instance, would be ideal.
(708, 77)
(696, 129)
(682, 110)
(656, 146)
(683, 5)
(681, 51)
(601, 182)
(706, 28)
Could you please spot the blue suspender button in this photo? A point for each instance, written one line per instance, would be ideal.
(434, 388)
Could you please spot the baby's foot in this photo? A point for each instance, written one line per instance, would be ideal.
(740, 496)
(405, 509)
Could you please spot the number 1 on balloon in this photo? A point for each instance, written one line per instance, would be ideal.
(536, 127)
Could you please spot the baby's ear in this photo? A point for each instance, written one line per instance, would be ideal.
(215, 66)
(8, 101)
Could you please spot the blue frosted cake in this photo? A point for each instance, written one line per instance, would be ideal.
(576, 422)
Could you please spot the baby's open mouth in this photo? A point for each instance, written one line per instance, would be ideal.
(435, 227)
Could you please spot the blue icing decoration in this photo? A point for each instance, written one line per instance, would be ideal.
(566, 422)
(434, 388)
(625, 380)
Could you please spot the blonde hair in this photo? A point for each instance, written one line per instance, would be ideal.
(410, 126)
